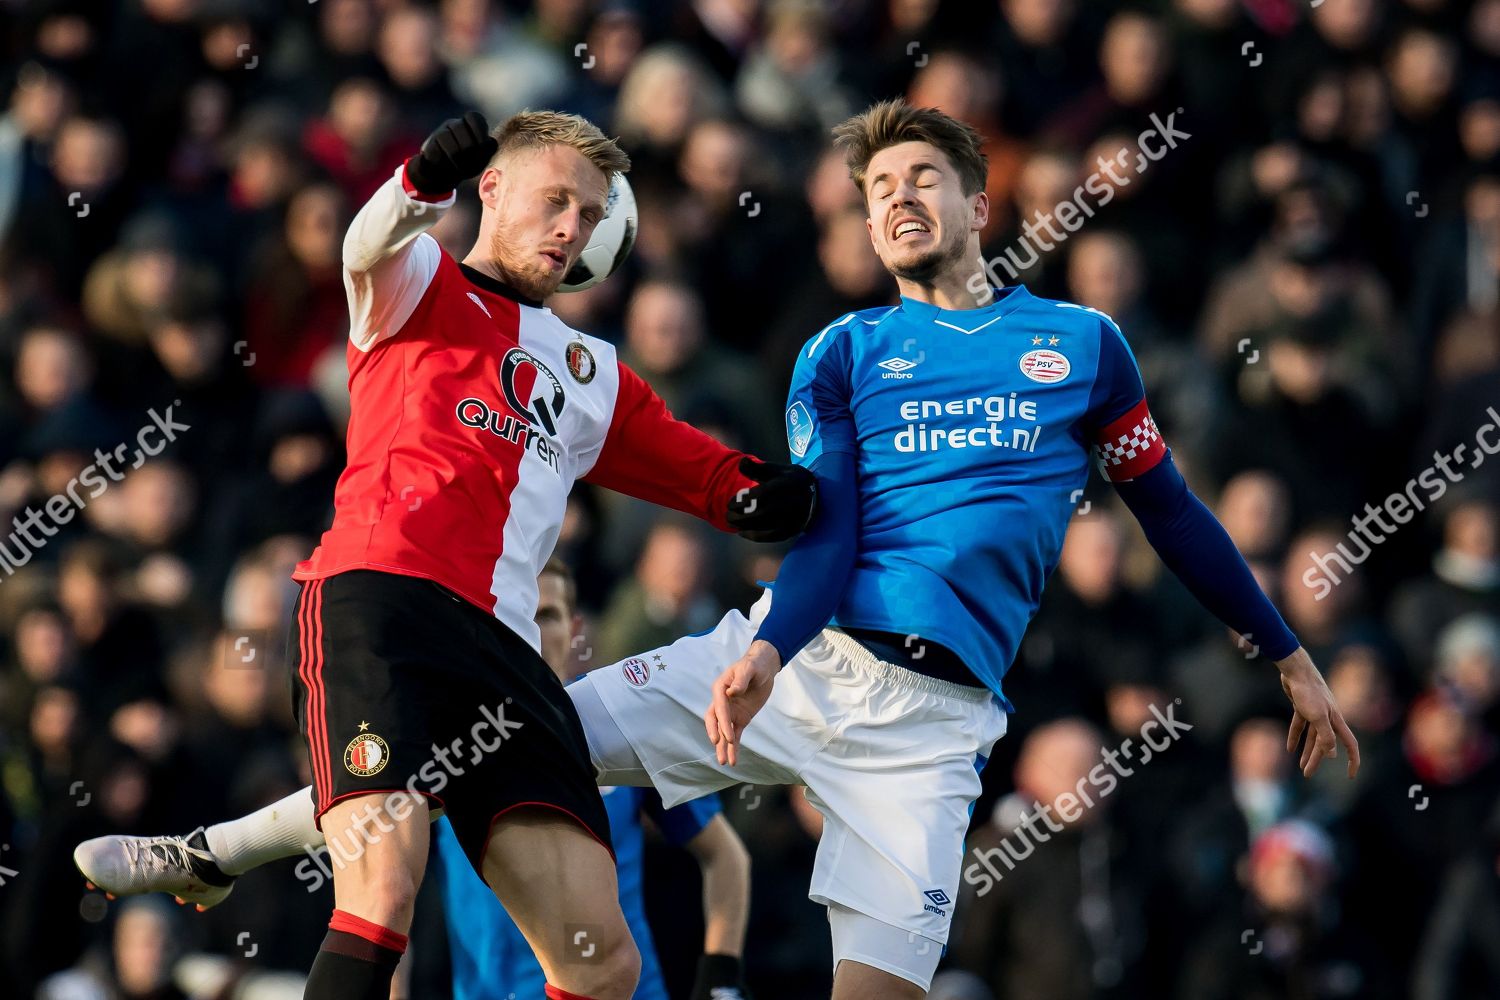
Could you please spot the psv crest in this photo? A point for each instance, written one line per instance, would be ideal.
(581, 364)
(366, 754)
(637, 671)
(1045, 366)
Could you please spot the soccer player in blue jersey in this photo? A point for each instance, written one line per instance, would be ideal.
(949, 434)
(491, 959)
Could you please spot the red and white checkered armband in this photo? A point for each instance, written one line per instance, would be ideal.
(1130, 445)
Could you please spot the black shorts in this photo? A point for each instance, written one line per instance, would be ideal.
(402, 686)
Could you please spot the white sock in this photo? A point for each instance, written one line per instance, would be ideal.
(283, 829)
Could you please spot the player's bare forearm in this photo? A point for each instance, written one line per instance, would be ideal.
(1315, 713)
(726, 887)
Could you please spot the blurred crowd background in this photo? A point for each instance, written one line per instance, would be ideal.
(1311, 282)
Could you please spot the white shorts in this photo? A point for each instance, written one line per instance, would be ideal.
(890, 757)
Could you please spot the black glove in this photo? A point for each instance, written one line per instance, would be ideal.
(720, 977)
(458, 150)
(780, 507)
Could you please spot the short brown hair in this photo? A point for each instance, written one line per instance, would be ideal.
(534, 129)
(891, 123)
(560, 569)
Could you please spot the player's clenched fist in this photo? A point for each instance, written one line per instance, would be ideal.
(460, 148)
(779, 507)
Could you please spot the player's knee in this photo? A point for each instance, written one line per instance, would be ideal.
(616, 972)
(385, 892)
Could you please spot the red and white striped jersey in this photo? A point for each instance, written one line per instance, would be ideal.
(474, 410)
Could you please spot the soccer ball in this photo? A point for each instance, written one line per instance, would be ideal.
(610, 245)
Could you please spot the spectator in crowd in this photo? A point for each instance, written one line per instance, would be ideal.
(1262, 790)
(667, 341)
(792, 83)
(1424, 809)
(849, 278)
(1255, 508)
(295, 300)
(1459, 955)
(358, 137)
(1087, 626)
(664, 95)
(666, 599)
(1464, 579)
(1361, 676)
(1052, 908)
(71, 213)
(138, 967)
(1287, 940)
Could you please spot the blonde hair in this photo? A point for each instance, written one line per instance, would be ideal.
(534, 129)
(891, 123)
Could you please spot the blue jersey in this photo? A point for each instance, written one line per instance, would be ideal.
(971, 431)
(491, 960)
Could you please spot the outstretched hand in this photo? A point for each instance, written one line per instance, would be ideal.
(1315, 714)
(740, 692)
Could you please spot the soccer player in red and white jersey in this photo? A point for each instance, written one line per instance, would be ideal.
(474, 410)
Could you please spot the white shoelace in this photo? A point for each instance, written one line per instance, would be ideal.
(163, 853)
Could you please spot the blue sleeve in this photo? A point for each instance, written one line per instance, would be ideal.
(813, 575)
(680, 824)
(818, 417)
(1117, 386)
(1185, 534)
(1194, 545)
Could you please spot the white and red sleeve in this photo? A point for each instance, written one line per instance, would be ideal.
(389, 259)
(651, 455)
(1130, 445)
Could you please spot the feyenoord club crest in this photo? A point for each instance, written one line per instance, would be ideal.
(581, 363)
(366, 754)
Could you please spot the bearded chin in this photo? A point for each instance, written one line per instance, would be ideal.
(930, 264)
(534, 284)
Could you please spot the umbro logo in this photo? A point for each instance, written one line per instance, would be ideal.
(479, 303)
(897, 368)
(937, 899)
